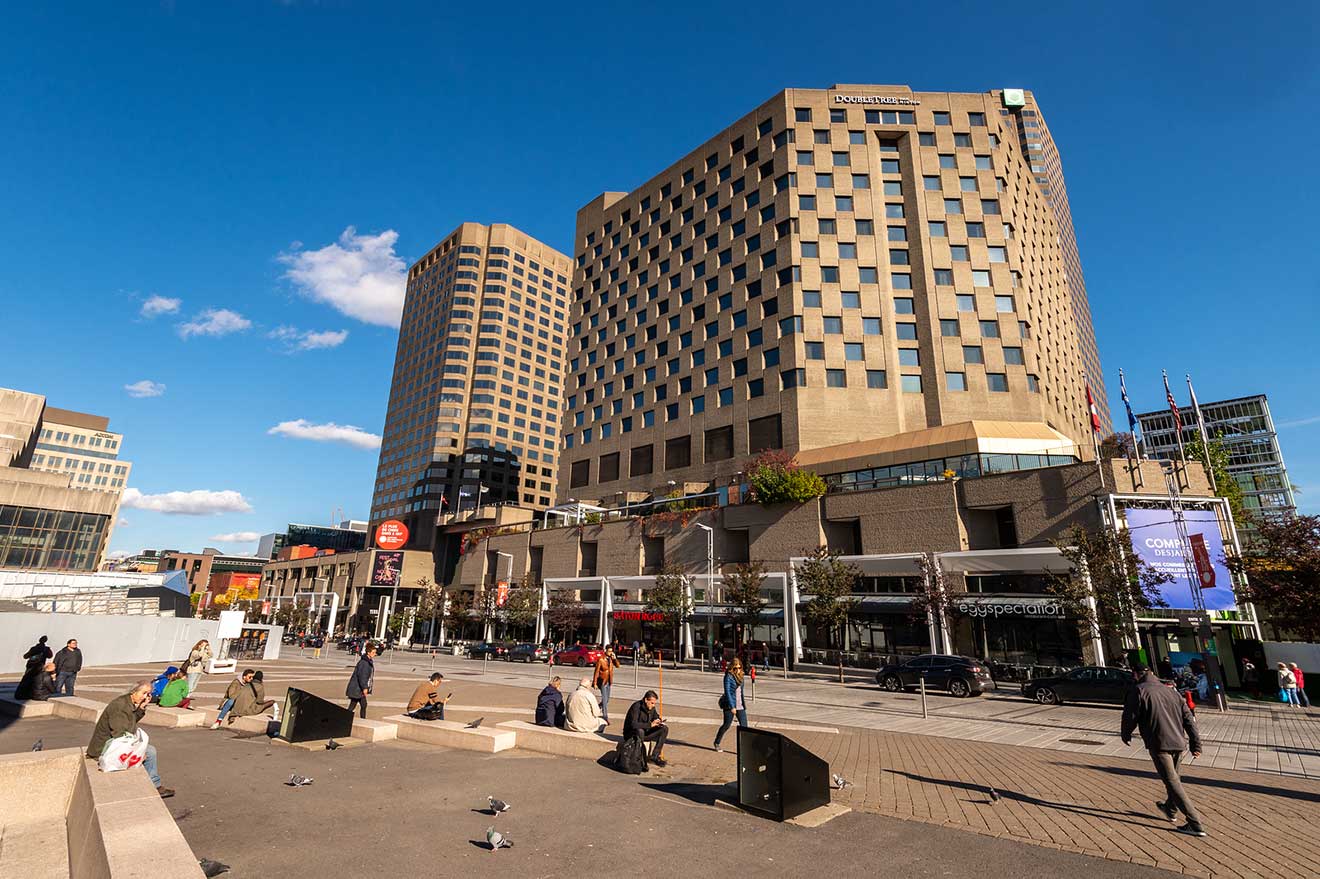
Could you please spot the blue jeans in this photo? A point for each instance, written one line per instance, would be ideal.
(193, 678)
(1302, 699)
(64, 682)
(149, 764)
(728, 722)
(605, 701)
(225, 706)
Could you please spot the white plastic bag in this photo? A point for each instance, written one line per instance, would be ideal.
(124, 752)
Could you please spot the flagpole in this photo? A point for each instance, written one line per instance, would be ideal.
(1094, 418)
(1177, 420)
(1205, 439)
(1132, 467)
(1132, 430)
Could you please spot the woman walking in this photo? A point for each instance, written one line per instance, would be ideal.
(196, 664)
(1300, 677)
(1287, 685)
(731, 701)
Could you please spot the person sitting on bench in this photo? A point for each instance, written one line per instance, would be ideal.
(550, 705)
(645, 723)
(426, 703)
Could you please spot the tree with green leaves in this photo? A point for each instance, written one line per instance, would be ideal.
(486, 604)
(933, 601)
(1282, 571)
(776, 478)
(742, 593)
(565, 613)
(1122, 585)
(523, 604)
(1226, 486)
(457, 613)
(430, 604)
(1118, 445)
(830, 582)
(669, 596)
(293, 615)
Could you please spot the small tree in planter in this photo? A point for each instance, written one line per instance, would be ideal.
(523, 604)
(669, 596)
(742, 592)
(830, 582)
(775, 478)
(457, 612)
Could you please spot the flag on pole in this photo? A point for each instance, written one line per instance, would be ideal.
(1127, 404)
(1205, 438)
(1092, 409)
(1177, 418)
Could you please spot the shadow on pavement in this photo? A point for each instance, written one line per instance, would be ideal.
(1245, 787)
(1093, 811)
(702, 794)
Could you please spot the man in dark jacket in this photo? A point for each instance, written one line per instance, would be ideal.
(359, 686)
(1167, 728)
(37, 683)
(645, 723)
(550, 705)
(38, 653)
(120, 718)
(68, 662)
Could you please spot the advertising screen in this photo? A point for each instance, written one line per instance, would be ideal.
(1155, 539)
(385, 568)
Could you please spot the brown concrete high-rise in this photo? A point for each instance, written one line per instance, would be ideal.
(476, 393)
(838, 267)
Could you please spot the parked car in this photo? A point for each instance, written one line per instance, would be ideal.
(1090, 683)
(960, 675)
(487, 648)
(579, 655)
(527, 653)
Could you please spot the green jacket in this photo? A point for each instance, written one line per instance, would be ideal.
(174, 693)
(119, 718)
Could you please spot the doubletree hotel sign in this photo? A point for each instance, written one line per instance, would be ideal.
(644, 616)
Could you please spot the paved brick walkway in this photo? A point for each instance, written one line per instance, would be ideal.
(1089, 803)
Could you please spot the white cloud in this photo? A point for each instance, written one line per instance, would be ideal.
(122, 523)
(117, 554)
(158, 305)
(236, 537)
(326, 433)
(1298, 422)
(214, 322)
(199, 502)
(145, 388)
(309, 340)
(359, 275)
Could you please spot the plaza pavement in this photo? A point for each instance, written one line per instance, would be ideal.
(1097, 804)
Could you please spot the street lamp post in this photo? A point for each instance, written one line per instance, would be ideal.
(710, 584)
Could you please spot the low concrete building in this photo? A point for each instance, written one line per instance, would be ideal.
(200, 566)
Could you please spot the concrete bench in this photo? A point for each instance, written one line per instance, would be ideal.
(374, 730)
(174, 717)
(560, 742)
(78, 708)
(452, 734)
(251, 723)
(12, 707)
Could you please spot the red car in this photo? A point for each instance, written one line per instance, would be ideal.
(579, 655)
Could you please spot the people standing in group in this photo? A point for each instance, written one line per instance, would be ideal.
(550, 705)
(251, 701)
(120, 718)
(231, 693)
(195, 665)
(68, 662)
(732, 701)
(583, 713)
(645, 723)
(175, 694)
(359, 685)
(603, 679)
(38, 653)
(1299, 676)
(1167, 728)
(1287, 685)
(37, 683)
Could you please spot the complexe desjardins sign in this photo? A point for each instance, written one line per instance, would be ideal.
(1155, 537)
(894, 100)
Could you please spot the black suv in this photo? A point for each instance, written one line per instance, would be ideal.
(960, 675)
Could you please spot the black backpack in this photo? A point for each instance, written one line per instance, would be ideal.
(630, 756)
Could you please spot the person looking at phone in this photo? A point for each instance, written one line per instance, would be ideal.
(120, 718)
(645, 723)
(427, 698)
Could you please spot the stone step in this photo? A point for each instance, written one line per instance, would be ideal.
(453, 734)
(560, 742)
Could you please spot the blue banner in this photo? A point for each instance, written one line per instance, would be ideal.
(1155, 539)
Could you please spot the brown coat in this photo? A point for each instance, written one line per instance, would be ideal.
(605, 667)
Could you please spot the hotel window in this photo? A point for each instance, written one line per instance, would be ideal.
(955, 381)
(726, 396)
(900, 281)
(973, 354)
(770, 357)
(833, 326)
(1013, 357)
(875, 378)
(893, 187)
(862, 181)
(952, 206)
(926, 138)
(851, 300)
(810, 249)
(962, 140)
(909, 357)
(793, 378)
(826, 226)
(980, 278)
(944, 277)
(975, 230)
(804, 157)
(912, 384)
(896, 233)
(931, 183)
(840, 160)
(835, 378)
(848, 250)
(938, 229)
(854, 351)
(1033, 384)
(790, 325)
(997, 382)
(903, 306)
(857, 137)
(824, 181)
(976, 120)
(967, 184)
(906, 332)
(958, 252)
(898, 257)
(698, 405)
(821, 136)
(966, 302)
(811, 298)
(949, 327)
(942, 118)
(807, 202)
(829, 274)
(871, 276)
(845, 202)
(998, 254)
(894, 211)
(948, 161)
(983, 163)
(989, 206)
(870, 326)
(990, 329)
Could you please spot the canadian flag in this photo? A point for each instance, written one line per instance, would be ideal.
(1091, 407)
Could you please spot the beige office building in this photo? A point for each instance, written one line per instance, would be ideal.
(872, 278)
(476, 394)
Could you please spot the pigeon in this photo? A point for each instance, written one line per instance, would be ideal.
(839, 782)
(497, 806)
(497, 840)
(212, 868)
(332, 745)
(474, 724)
(37, 745)
(297, 780)
(994, 795)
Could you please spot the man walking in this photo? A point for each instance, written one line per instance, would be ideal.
(68, 662)
(1167, 728)
(359, 686)
(603, 679)
(120, 718)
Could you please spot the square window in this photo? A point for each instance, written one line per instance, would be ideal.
(898, 257)
(875, 378)
(949, 327)
(941, 118)
(894, 211)
(870, 326)
(947, 161)
(838, 115)
(815, 350)
(811, 298)
(955, 381)
(944, 277)
(843, 202)
(893, 187)
(926, 138)
(997, 382)
(897, 233)
(829, 274)
(931, 184)
(1013, 357)
(852, 300)
(938, 229)
(848, 250)
(726, 396)
(889, 166)
(802, 114)
(756, 388)
(967, 184)
(989, 206)
(973, 354)
(698, 405)
(861, 181)
(900, 281)
(909, 357)
(839, 160)
(824, 181)
(912, 384)
(826, 226)
(966, 302)
(810, 249)
(906, 331)
(962, 140)
(980, 278)
(865, 227)
(807, 202)
(983, 163)
(953, 206)
(958, 252)
(904, 305)
(857, 137)
(770, 357)
(793, 378)
(867, 275)
(835, 378)
(975, 230)
(833, 326)
(804, 157)
(998, 254)
(854, 351)
(821, 136)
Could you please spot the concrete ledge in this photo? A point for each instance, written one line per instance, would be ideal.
(174, 717)
(560, 742)
(453, 734)
(374, 730)
(35, 850)
(78, 708)
(11, 707)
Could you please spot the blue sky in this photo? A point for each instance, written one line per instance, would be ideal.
(206, 197)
